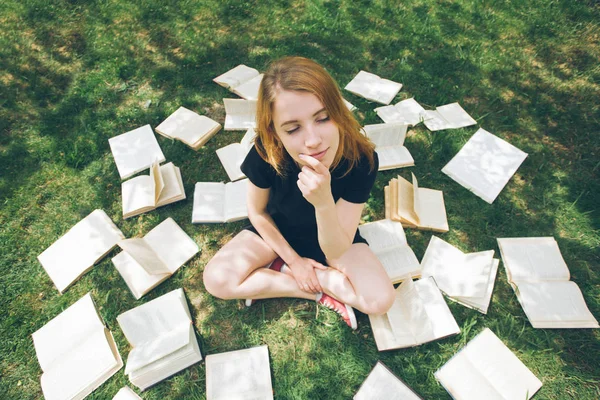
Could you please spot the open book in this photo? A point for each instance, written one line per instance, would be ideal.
(415, 207)
(188, 127)
(233, 155)
(466, 278)
(146, 262)
(389, 144)
(135, 151)
(220, 202)
(406, 112)
(540, 277)
(374, 88)
(240, 115)
(450, 116)
(163, 339)
(76, 352)
(76, 252)
(125, 393)
(419, 315)
(383, 384)
(387, 240)
(145, 193)
(485, 164)
(241, 80)
(240, 374)
(486, 369)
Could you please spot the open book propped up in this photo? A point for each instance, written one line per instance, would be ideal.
(220, 202)
(163, 339)
(419, 315)
(188, 127)
(383, 384)
(135, 151)
(387, 240)
(486, 369)
(374, 88)
(450, 116)
(145, 193)
(240, 115)
(76, 352)
(146, 262)
(76, 252)
(415, 207)
(233, 155)
(241, 80)
(406, 112)
(389, 145)
(540, 277)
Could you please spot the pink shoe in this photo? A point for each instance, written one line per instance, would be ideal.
(345, 311)
(275, 265)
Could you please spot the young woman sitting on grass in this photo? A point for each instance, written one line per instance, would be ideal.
(310, 173)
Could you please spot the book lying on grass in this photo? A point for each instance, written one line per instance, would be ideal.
(387, 240)
(241, 80)
(485, 164)
(188, 127)
(389, 144)
(540, 277)
(76, 252)
(220, 202)
(163, 339)
(233, 155)
(450, 116)
(147, 192)
(240, 114)
(349, 105)
(419, 315)
(406, 112)
(76, 352)
(126, 394)
(461, 276)
(374, 88)
(240, 374)
(135, 151)
(383, 384)
(415, 207)
(486, 369)
(146, 262)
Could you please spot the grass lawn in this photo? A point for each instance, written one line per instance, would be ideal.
(75, 73)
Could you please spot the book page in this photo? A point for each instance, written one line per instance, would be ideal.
(135, 151)
(555, 302)
(230, 157)
(409, 312)
(485, 164)
(372, 87)
(157, 180)
(173, 185)
(125, 393)
(481, 304)
(249, 89)
(77, 250)
(383, 234)
(153, 350)
(209, 202)
(406, 201)
(394, 157)
(138, 194)
(432, 210)
(138, 280)
(399, 262)
(242, 374)
(533, 259)
(235, 200)
(434, 121)
(382, 384)
(456, 116)
(441, 321)
(236, 76)
(188, 126)
(144, 255)
(386, 134)
(406, 111)
(240, 114)
(385, 90)
(171, 244)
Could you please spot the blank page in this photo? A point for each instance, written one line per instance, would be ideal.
(249, 89)
(173, 185)
(383, 234)
(125, 393)
(406, 201)
(434, 121)
(77, 250)
(406, 111)
(144, 255)
(236, 76)
(138, 194)
(481, 304)
(240, 114)
(136, 277)
(432, 210)
(382, 384)
(394, 157)
(209, 202)
(441, 320)
(146, 353)
(236, 207)
(455, 115)
(485, 164)
(171, 244)
(533, 259)
(372, 87)
(135, 151)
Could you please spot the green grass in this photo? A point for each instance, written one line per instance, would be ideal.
(75, 73)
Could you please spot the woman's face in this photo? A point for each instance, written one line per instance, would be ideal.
(304, 126)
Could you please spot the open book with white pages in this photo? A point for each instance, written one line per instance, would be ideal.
(389, 145)
(233, 155)
(188, 127)
(374, 88)
(163, 339)
(125, 393)
(383, 384)
(542, 282)
(419, 315)
(220, 202)
(450, 116)
(387, 240)
(76, 351)
(240, 115)
(135, 151)
(407, 112)
(241, 80)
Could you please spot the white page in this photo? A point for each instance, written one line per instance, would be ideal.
(125, 393)
(482, 304)
(399, 262)
(456, 116)
(485, 164)
(349, 105)
(209, 202)
(548, 302)
(171, 244)
(406, 111)
(249, 89)
(236, 207)
(155, 318)
(440, 318)
(236, 76)
(136, 277)
(434, 121)
(77, 250)
(432, 211)
(231, 159)
(173, 185)
(242, 374)
(416, 198)
(409, 312)
(135, 151)
(144, 255)
(382, 384)
(382, 135)
(157, 180)
(138, 193)
(153, 350)
(187, 126)
(394, 157)
(383, 234)
(240, 114)
(533, 259)
(372, 87)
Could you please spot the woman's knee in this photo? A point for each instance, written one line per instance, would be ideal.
(380, 302)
